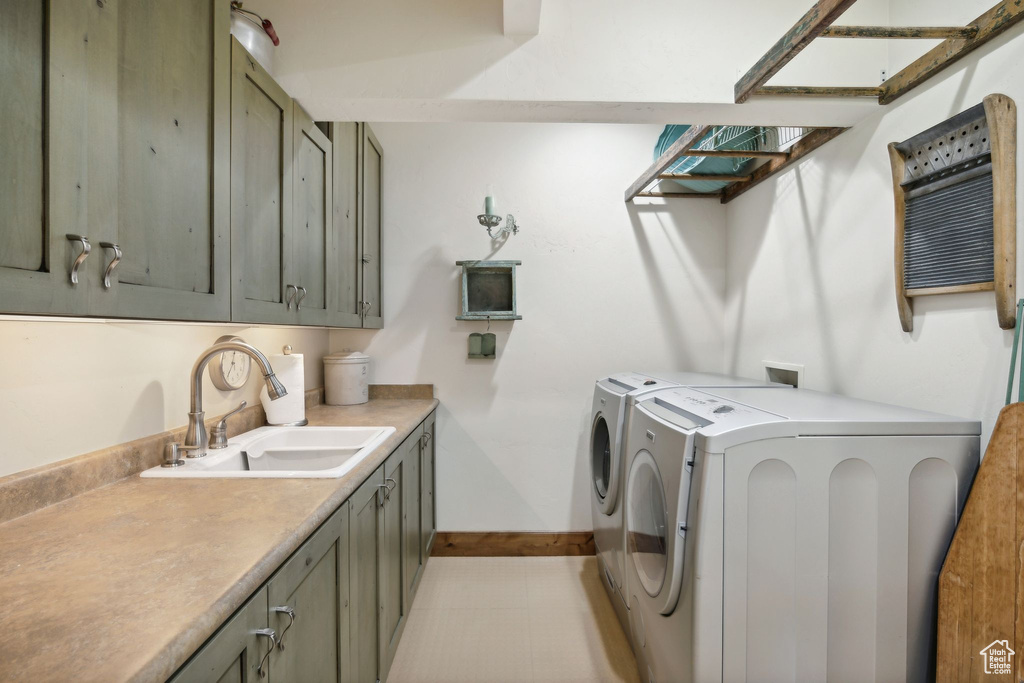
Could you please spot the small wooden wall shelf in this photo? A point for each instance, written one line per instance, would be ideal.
(489, 290)
(817, 22)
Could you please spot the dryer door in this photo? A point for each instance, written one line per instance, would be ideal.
(647, 526)
(601, 460)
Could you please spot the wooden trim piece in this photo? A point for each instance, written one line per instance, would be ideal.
(1001, 113)
(800, 149)
(980, 584)
(989, 25)
(940, 32)
(704, 176)
(904, 307)
(732, 153)
(512, 544)
(810, 26)
(691, 137)
(692, 195)
(817, 91)
(950, 289)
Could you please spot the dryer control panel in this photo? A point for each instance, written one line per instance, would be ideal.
(691, 409)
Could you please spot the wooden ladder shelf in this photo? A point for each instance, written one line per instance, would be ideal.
(957, 41)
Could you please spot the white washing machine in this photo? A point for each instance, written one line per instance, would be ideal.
(607, 442)
(788, 535)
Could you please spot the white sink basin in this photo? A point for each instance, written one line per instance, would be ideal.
(284, 452)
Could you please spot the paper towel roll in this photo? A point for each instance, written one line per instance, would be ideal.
(291, 408)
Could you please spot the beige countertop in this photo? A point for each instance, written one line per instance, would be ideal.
(126, 581)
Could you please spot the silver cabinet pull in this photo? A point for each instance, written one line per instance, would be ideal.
(289, 294)
(300, 296)
(266, 633)
(425, 439)
(86, 248)
(366, 307)
(219, 437)
(385, 494)
(113, 262)
(390, 488)
(290, 611)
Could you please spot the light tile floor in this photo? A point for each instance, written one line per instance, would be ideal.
(510, 619)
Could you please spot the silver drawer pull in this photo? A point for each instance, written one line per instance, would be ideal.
(266, 633)
(290, 611)
(289, 294)
(300, 296)
(86, 248)
(113, 262)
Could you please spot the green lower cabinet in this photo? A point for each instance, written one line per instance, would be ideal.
(412, 533)
(336, 609)
(308, 607)
(367, 523)
(236, 651)
(428, 505)
(393, 605)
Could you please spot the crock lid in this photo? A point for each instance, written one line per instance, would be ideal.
(346, 357)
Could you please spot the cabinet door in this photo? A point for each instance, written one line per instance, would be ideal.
(306, 606)
(311, 224)
(370, 200)
(428, 520)
(412, 532)
(233, 654)
(345, 268)
(392, 590)
(367, 522)
(261, 192)
(45, 194)
(170, 77)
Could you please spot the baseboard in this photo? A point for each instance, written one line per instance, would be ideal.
(512, 544)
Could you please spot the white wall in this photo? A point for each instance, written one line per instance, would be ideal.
(604, 287)
(71, 387)
(810, 259)
(397, 59)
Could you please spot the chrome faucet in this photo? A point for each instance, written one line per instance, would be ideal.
(196, 438)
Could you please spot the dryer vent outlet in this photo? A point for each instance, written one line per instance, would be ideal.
(783, 373)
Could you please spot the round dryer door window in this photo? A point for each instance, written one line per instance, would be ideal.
(601, 456)
(647, 523)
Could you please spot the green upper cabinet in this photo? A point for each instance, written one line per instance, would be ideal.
(35, 254)
(261, 193)
(116, 131)
(167, 156)
(312, 203)
(370, 203)
(345, 273)
(354, 273)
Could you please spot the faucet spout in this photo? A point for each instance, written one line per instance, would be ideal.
(196, 438)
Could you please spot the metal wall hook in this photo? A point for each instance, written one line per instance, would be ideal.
(113, 262)
(86, 248)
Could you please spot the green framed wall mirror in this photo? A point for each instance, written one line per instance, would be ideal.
(488, 290)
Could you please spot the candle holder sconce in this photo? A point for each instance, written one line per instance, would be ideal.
(491, 221)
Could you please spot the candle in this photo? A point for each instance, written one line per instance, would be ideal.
(489, 205)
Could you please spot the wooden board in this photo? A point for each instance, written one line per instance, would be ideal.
(816, 91)
(679, 148)
(1001, 113)
(512, 544)
(904, 308)
(933, 32)
(810, 26)
(800, 149)
(989, 25)
(980, 585)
